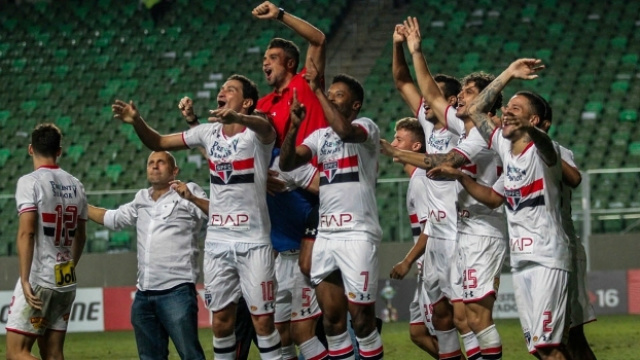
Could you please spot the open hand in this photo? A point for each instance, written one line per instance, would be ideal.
(412, 33)
(526, 68)
(125, 112)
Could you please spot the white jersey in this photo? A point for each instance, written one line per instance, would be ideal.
(60, 201)
(348, 173)
(441, 194)
(238, 172)
(297, 178)
(417, 207)
(485, 167)
(565, 203)
(532, 202)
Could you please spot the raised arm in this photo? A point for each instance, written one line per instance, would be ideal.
(347, 131)
(401, 74)
(544, 145)
(479, 108)
(129, 114)
(183, 190)
(313, 35)
(424, 161)
(483, 194)
(292, 156)
(257, 123)
(428, 86)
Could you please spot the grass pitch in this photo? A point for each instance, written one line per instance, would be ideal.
(611, 338)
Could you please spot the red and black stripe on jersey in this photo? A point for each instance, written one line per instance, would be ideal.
(517, 199)
(234, 172)
(415, 225)
(339, 171)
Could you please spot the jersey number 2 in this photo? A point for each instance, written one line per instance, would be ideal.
(65, 222)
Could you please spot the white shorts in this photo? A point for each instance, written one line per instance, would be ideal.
(581, 309)
(356, 259)
(441, 270)
(56, 307)
(481, 259)
(541, 297)
(296, 298)
(235, 269)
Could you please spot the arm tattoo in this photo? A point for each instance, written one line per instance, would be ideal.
(452, 158)
(484, 125)
(288, 149)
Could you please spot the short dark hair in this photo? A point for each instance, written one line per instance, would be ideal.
(452, 86)
(290, 49)
(353, 84)
(249, 89)
(536, 103)
(481, 80)
(46, 139)
(548, 112)
(413, 126)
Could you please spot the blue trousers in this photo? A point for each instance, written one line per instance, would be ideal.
(157, 316)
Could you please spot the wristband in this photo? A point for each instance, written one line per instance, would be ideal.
(280, 14)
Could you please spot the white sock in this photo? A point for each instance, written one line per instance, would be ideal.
(471, 346)
(490, 343)
(224, 348)
(314, 349)
(340, 346)
(449, 345)
(289, 352)
(270, 346)
(371, 346)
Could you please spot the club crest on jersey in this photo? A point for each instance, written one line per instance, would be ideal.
(513, 197)
(330, 169)
(439, 144)
(224, 171)
(515, 174)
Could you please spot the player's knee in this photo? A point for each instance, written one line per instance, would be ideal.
(363, 324)
(264, 324)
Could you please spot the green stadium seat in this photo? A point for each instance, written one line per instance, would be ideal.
(4, 156)
(634, 148)
(620, 86)
(4, 117)
(119, 240)
(29, 106)
(113, 172)
(628, 116)
(75, 152)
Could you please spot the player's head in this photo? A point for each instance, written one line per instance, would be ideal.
(409, 135)
(161, 168)
(524, 106)
(46, 141)
(280, 61)
(239, 94)
(449, 87)
(546, 119)
(347, 94)
(472, 85)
